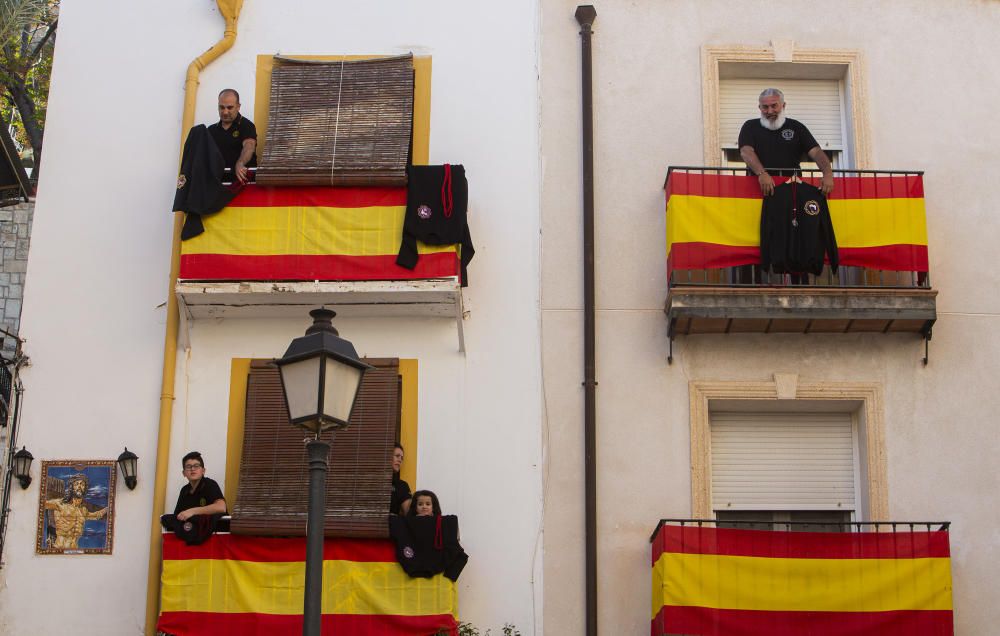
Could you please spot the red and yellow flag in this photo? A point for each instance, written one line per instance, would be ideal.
(713, 220)
(245, 585)
(751, 582)
(310, 233)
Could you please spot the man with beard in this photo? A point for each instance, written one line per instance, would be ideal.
(71, 512)
(774, 144)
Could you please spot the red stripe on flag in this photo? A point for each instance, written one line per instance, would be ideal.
(317, 196)
(269, 549)
(800, 545)
(704, 620)
(707, 255)
(306, 267)
(747, 187)
(900, 257)
(221, 624)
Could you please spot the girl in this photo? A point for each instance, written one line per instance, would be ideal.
(425, 504)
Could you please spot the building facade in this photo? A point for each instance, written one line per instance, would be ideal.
(499, 420)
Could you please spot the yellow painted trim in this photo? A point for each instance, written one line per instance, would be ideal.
(238, 377)
(871, 422)
(421, 100)
(230, 11)
(408, 420)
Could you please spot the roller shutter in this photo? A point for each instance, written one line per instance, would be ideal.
(816, 103)
(782, 461)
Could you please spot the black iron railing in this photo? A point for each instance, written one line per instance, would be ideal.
(753, 275)
(808, 526)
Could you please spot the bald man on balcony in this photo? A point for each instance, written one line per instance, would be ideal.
(235, 135)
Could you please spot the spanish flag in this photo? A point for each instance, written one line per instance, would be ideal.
(713, 220)
(750, 582)
(234, 584)
(310, 233)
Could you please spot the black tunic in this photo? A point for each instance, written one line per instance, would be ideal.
(199, 184)
(428, 545)
(796, 231)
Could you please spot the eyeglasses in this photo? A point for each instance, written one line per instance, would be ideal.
(192, 466)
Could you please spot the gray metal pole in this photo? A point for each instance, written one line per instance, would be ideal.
(313, 610)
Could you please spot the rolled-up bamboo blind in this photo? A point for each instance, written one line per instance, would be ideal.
(273, 494)
(344, 123)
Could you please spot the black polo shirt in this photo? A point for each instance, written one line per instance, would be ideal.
(230, 142)
(207, 492)
(779, 150)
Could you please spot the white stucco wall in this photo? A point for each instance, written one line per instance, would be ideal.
(93, 314)
(931, 103)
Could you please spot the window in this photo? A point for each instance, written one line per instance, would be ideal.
(817, 103)
(266, 468)
(777, 466)
(752, 477)
(814, 81)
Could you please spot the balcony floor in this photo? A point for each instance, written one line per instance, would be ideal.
(714, 309)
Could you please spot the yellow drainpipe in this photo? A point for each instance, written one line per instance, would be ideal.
(230, 10)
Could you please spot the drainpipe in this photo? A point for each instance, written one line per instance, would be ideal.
(585, 15)
(230, 10)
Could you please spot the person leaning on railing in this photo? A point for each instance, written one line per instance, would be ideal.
(235, 135)
(200, 503)
(778, 142)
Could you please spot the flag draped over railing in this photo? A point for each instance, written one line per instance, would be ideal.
(236, 584)
(310, 233)
(752, 582)
(713, 220)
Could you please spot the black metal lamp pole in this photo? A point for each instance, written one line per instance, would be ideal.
(320, 377)
(313, 610)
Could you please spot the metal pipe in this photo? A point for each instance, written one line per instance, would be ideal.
(585, 15)
(230, 10)
(313, 606)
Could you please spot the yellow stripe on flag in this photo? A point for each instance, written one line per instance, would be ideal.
(736, 221)
(349, 587)
(265, 231)
(817, 585)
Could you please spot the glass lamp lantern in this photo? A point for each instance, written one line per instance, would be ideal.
(128, 462)
(22, 466)
(320, 376)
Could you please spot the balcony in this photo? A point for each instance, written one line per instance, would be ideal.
(238, 584)
(717, 286)
(278, 251)
(869, 578)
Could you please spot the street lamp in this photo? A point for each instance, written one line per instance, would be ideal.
(22, 466)
(320, 377)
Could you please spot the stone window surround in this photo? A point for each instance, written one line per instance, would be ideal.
(855, 74)
(863, 398)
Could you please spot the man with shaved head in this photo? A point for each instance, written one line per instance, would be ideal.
(774, 144)
(235, 135)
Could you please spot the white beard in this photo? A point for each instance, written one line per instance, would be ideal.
(773, 125)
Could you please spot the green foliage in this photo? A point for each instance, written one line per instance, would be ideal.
(27, 41)
(468, 629)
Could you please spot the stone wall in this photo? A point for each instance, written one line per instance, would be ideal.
(15, 233)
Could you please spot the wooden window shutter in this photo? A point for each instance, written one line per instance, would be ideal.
(273, 495)
(339, 123)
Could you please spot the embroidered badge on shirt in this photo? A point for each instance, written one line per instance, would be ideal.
(236, 133)
(811, 208)
(787, 134)
(408, 552)
(181, 181)
(424, 212)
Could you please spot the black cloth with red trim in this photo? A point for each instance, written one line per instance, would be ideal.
(437, 201)
(796, 232)
(428, 545)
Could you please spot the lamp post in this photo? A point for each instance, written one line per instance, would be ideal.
(320, 377)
